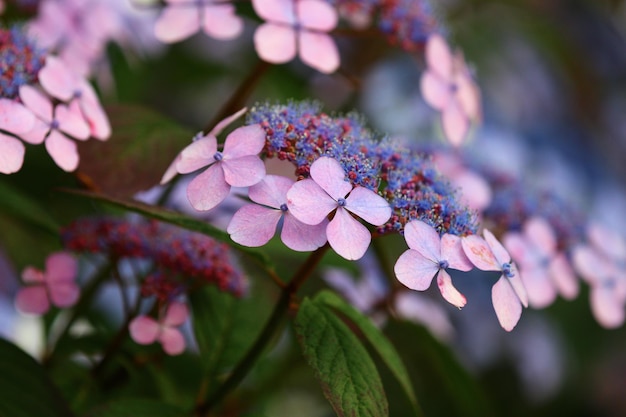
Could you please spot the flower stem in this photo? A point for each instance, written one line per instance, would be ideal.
(272, 325)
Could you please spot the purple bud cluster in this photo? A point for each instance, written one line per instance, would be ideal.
(174, 252)
(301, 133)
(20, 61)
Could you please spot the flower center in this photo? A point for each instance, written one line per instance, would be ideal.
(507, 270)
(218, 156)
(443, 264)
(54, 124)
(341, 202)
(283, 208)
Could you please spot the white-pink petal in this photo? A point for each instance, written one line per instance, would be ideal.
(424, 239)
(36, 102)
(243, 171)
(539, 232)
(172, 341)
(282, 11)
(319, 51)
(271, 191)
(448, 291)
(452, 252)
(368, 205)
(541, 292)
(62, 150)
(14, 117)
(71, 120)
(506, 304)
(208, 189)
(439, 57)
(455, 122)
(57, 79)
(253, 225)
(607, 309)
(220, 21)
(302, 237)
(316, 14)
(563, 276)
(349, 238)
(436, 92)
(309, 203)
(176, 314)
(177, 23)
(12, 153)
(244, 141)
(501, 254)
(479, 253)
(414, 270)
(330, 176)
(275, 43)
(223, 124)
(144, 330)
(198, 154)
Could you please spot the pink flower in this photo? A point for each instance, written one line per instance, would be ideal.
(254, 225)
(238, 165)
(60, 82)
(56, 285)
(448, 87)
(475, 190)
(146, 330)
(16, 119)
(312, 200)
(182, 18)
(297, 25)
(51, 124)
(429, 257)
(508, 293)
(542, 268)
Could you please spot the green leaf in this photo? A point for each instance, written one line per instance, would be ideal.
(347, 373)
(134, 158)
(225, 327)
(20, 206)
(377, 339)
(173, 217)
(25, 387)
(136, 408)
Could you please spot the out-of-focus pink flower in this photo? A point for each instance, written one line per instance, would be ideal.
(327, 191)
(508, 293)
(428, 257)
(543, 269)
(16, 119)
(255, 224)
(52, 124)
(448, 87)
(238, 165)
(475, 190)
(297, 27)
(146, 330)
(56, 285)
(182, 18)
(62, 83)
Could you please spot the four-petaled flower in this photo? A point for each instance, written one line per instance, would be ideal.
(182, 18)
(297, 25)
(56, 285)
(508, 293)
(429, 256)
(312, 200)
(146, 330)
(255, 224)
(238, 165)
(52, 124)
(448, 87)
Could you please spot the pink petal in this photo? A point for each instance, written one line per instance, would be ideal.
(71, 120)
(309, 203)
(177, 23)
(172, 341)
(302, 237)
(57, 79)
(144, 330)
(37, 134)
(14, 117)
(540, 233)
(197, 155)
(588, 263)
(223, 124)
(414, 270)
(541, 292)
(32, 299)
(208, 189)
(176, 314)
(36, 102)
(11, 154)
(319, 51)
(424, 239)
(94, 114)
(518, 285)
(506, 304)
(475, 191)
(32, 275)
(467, 94)
(368, 205)
(316, 14)
(349, 238)
(243, 171)
(606, 308)
(563, 276)
(271, 191)
(61, 267)
(452, 252)
(275, 10)
(519, 249)
(436, 91)
(171, 170)
(62, 150)
(479, 253)
(455, 123)
(448, 291)
(275, 43)
(330, 176)
(244, 141)
(220, 21)
(502, 256)
(438, 57)
(253, 225)
(607, 241)
(63, 294)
